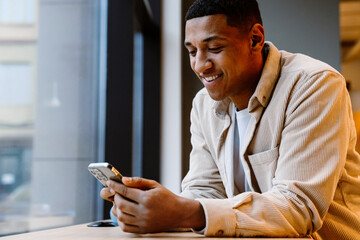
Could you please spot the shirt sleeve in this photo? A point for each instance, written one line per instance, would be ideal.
(203, 179)
(113, 218)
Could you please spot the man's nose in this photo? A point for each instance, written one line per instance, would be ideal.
(202, 63)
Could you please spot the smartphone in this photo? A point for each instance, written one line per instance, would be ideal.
(104, 171)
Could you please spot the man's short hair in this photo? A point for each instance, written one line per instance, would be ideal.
(242, 14)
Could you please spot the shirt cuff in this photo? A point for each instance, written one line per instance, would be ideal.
(113, 218)
(220, 218)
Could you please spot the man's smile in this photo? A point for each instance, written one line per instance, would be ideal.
(211, 78)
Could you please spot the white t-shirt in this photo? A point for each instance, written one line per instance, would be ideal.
(242, 122)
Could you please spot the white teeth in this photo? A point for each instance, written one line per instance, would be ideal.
(212, 78)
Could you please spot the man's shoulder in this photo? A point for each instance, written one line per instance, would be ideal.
(298, 62)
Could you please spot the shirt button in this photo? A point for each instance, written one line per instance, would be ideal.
(264, 98)
(220, 233)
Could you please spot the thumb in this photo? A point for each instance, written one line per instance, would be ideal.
(141, 183)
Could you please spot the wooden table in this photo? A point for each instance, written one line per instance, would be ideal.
(82, 232)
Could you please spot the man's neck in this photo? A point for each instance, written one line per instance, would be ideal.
(241, 100)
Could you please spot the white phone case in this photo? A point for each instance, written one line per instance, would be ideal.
(104, 171)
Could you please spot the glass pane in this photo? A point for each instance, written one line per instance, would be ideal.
(49, 111)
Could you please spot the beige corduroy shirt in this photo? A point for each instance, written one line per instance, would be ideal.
(299, 156)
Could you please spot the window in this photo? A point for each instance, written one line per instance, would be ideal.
(52, 93)
(133, 89)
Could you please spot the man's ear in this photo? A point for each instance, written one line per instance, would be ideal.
(257, 37)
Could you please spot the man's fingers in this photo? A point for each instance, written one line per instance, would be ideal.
(141, 183)
(125, 191)
(107, 194)
(125, 206)
(124, 212)
(129, 228)
(126, 218)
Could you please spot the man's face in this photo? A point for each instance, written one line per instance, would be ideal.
(219, 55)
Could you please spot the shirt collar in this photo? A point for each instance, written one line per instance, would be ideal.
(268, 79)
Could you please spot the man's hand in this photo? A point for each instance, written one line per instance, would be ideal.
(145, 206)
(107, 194)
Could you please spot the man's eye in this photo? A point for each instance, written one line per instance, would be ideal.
(192, 53)
(216, 50)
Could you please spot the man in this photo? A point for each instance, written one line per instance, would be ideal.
(273, 141)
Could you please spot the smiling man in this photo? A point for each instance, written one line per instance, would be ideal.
(273, 141)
